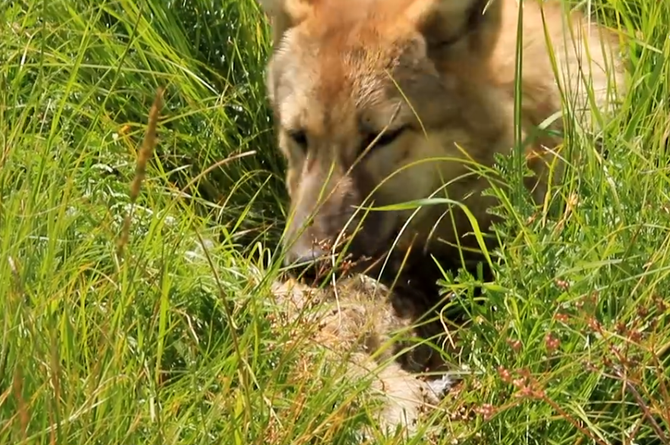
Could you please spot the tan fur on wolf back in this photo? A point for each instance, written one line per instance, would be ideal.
(355, 319)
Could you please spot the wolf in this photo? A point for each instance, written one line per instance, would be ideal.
(382, 102)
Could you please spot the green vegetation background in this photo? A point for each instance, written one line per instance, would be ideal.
(176, 341)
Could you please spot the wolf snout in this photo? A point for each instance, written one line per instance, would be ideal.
(304, 255)
(307, 261)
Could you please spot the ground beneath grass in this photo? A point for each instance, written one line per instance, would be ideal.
(173, 338)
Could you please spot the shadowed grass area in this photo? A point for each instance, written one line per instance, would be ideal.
(175, 340)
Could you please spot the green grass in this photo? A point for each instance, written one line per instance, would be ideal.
(173, 342)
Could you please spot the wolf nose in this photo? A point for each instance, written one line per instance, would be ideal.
(306, 262)
(304, 255)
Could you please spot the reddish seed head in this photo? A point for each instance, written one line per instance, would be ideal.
(519, 383)
(562, 285)
(635, 336)
(486, 410)
(591, 367)
(526, 391)
(594, 324)
(504, 374)
(552, 343)
(514, 344)
(661, 305)
(538, 393)
(642, 311)
(620, 328)
(561, 317)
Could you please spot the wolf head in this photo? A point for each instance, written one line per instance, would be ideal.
(380, 102)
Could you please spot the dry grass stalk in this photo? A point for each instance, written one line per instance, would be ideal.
(144, 154)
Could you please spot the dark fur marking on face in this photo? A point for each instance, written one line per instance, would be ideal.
(381, 139)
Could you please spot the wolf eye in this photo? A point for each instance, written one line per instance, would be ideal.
(299, 137)
(381, 140)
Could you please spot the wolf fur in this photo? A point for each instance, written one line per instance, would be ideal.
(435, 81)
(380, 102)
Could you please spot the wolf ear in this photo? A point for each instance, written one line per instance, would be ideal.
(285, 14)
(458, 28)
